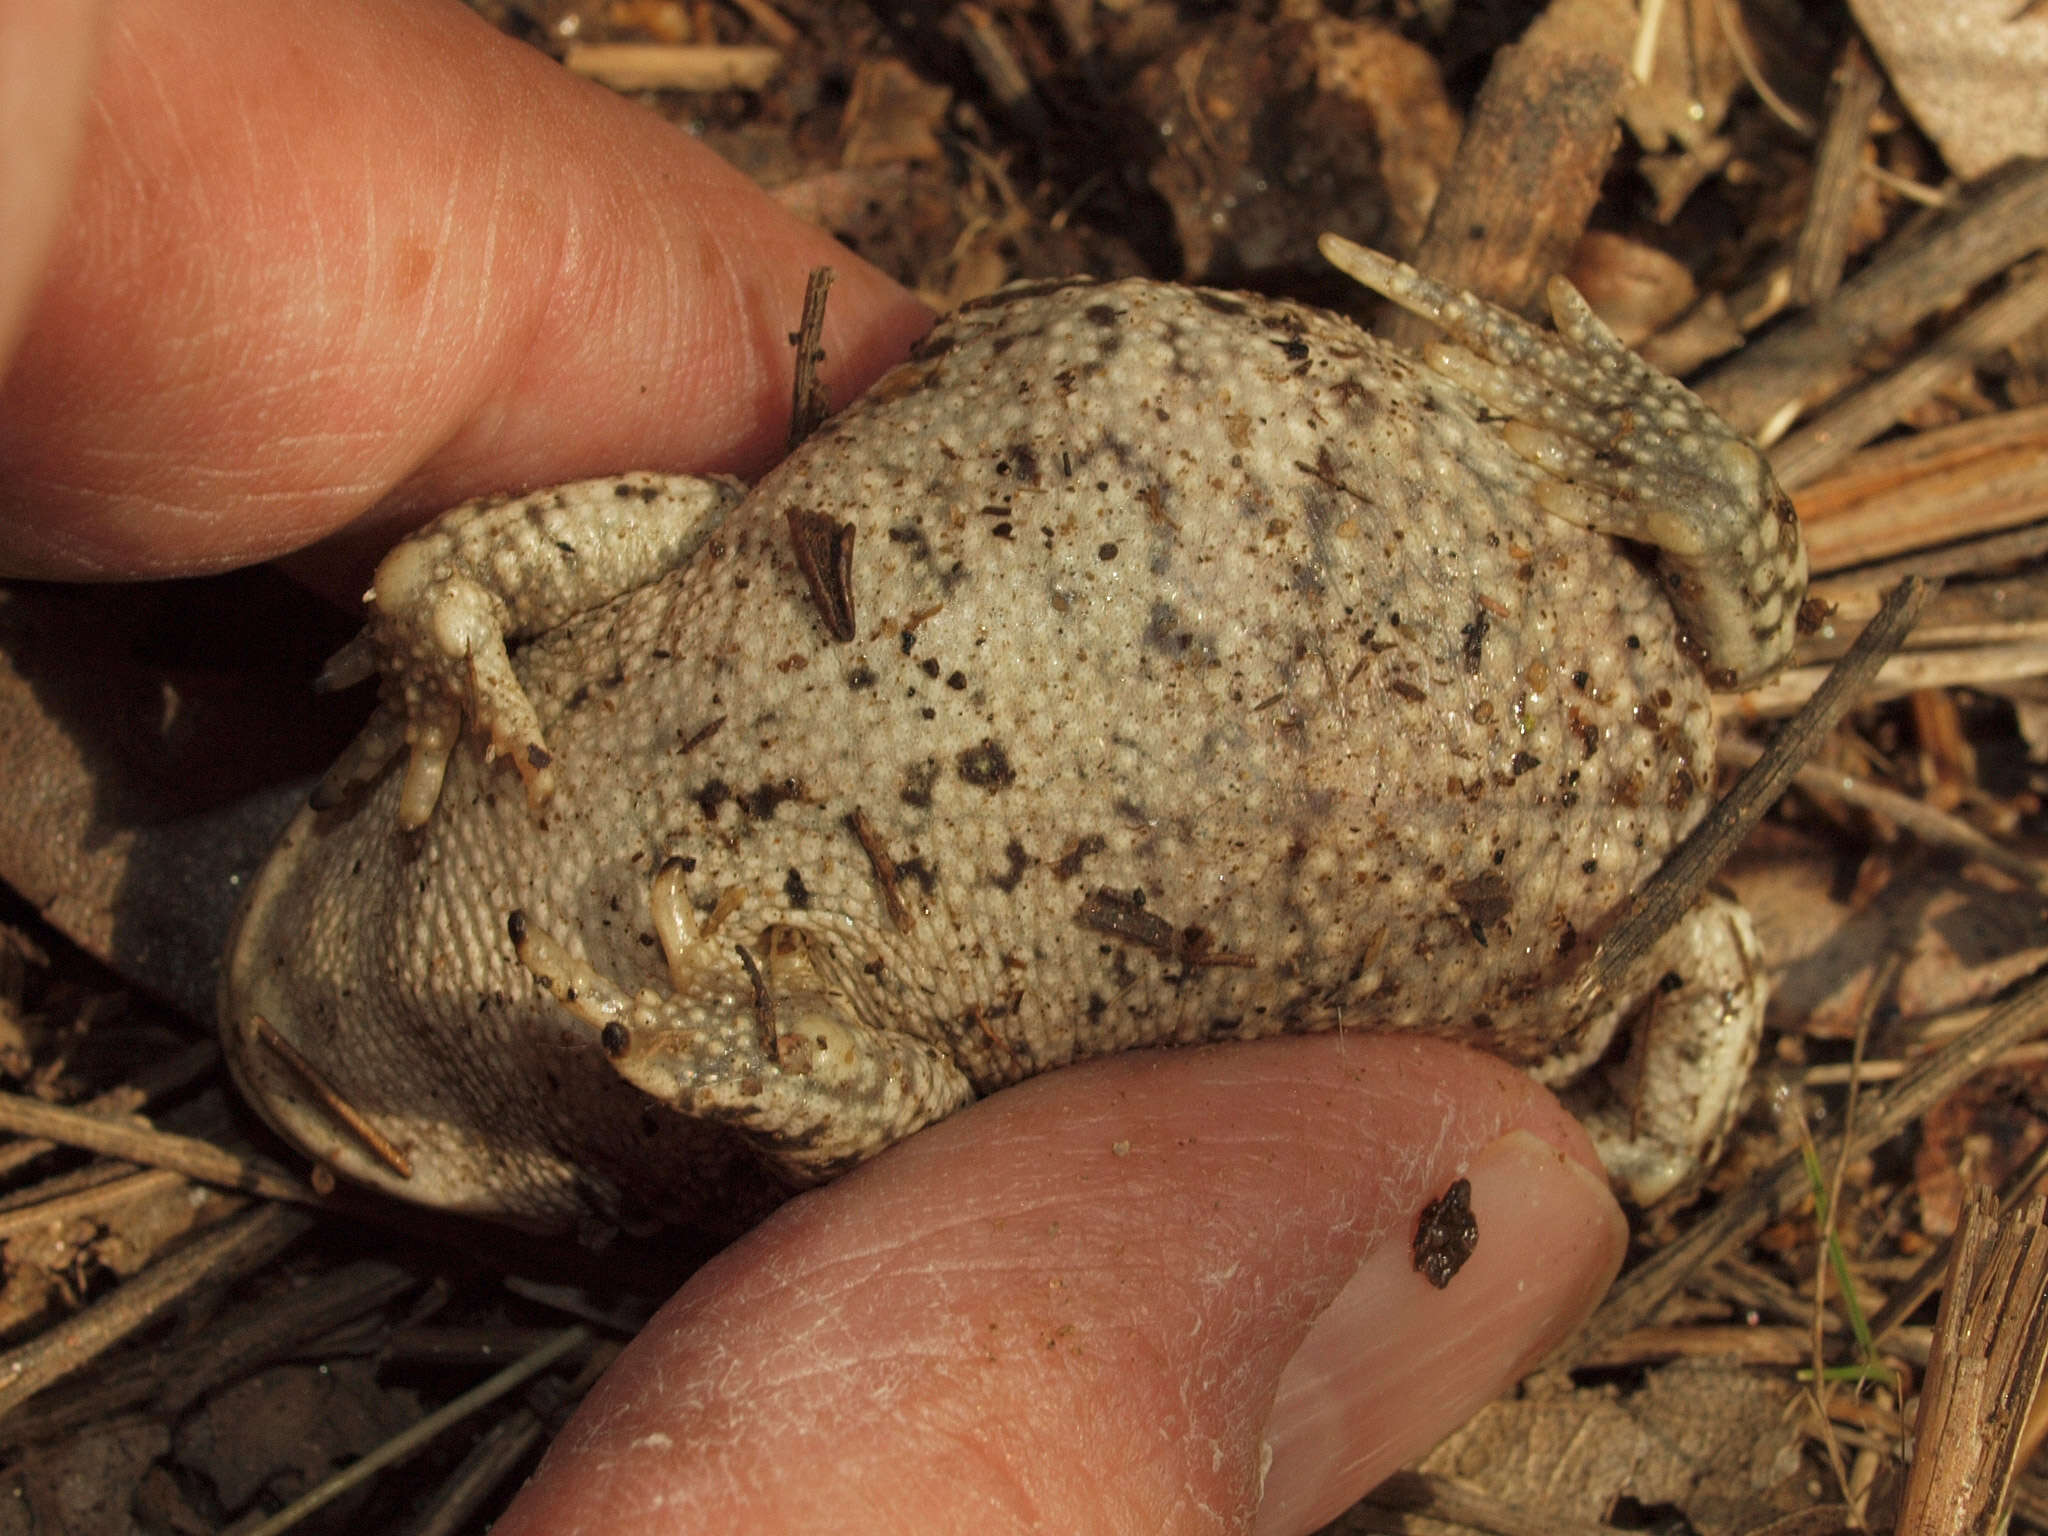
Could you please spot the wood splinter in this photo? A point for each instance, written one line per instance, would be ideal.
(1123, 916)
(808, 406)
(824, 553)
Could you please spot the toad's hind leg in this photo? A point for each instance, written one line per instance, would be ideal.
(1628, 451)
(1659, 1116)
(445, 602)
(765, 1047)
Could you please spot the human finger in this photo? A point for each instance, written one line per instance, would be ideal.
(343, 263)
(46, 60)
(1119, 1297)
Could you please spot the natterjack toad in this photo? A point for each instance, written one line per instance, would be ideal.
(1135, 665)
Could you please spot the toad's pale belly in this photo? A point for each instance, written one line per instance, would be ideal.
(1214, 673)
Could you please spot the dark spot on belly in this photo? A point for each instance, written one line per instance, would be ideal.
(918, 779)
(767, 795)
(712, 796)
(1019, 861)
(794, 890)
(986, 766)
(1475, 642)
(1485, 899)
(1078, 853)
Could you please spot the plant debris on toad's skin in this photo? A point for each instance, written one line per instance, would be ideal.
(1134, 665)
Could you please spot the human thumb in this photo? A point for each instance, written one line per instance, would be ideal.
(1170, 1291)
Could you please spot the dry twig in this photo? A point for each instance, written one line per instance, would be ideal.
(196, 1159)
(1990, 1343)
(1811, 359)
(1538, 140)
(1853, 95)
(1666, 896)
(1829, 439)
(808, 406)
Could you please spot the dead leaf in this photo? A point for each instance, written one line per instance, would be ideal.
(1974, 74)
(892, 115)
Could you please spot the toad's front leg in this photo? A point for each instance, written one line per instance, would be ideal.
(763, 1045)
(1627, 451)
(445, 602)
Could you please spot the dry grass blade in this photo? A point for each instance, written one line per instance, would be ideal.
(503, 1447)
(132, 1143)
(398, 1447)
(359, 1125)
(1990, 1342)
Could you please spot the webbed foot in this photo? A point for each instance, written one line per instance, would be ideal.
(1630, 452)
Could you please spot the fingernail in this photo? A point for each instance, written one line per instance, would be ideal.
(1393, 1364)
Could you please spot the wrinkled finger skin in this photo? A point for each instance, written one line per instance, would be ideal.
(339, 265)
(1075, 1305)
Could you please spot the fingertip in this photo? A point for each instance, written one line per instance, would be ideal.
(1394, 1364)
(1083, 1303)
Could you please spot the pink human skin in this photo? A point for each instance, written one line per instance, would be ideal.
(336, 268)
(281, 281)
